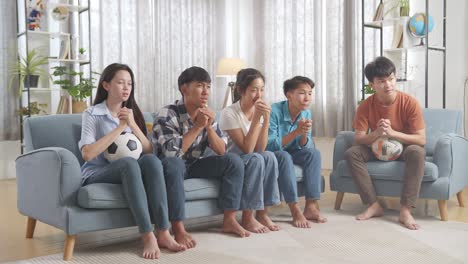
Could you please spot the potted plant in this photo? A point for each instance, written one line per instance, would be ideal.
(79, 91)
(34, 108)
(403, 4)
(27, 70)
(368, 91)
(83, 55)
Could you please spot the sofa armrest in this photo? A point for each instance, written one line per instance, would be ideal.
(47, 180)
(450, 154)
(343, 141)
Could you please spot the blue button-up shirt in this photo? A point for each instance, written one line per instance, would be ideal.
(281, 125)
(97, 121)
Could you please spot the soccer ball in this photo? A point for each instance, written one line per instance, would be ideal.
(387, 149)
(126, 145)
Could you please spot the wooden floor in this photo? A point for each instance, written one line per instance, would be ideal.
(49, 240)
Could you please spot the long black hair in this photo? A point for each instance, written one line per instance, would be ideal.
(243, 79)
(101, 94)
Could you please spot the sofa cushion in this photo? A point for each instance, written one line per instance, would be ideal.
(389, 170)
(106, 195)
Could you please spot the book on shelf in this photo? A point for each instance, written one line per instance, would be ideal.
(63, 106)
(64, 49)
(397, 37)
(379, 12)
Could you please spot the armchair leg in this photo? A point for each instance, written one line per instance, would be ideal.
(443, 210)
(30, 227)
(339, 200)
(460, 199)
(69, 246)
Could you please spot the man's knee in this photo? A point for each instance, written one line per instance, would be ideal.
(415, 152)
(352, 153)
(283, 156)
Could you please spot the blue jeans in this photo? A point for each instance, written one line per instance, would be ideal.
(310, 161)
(260, 181)
(143, 185)
(229, 168)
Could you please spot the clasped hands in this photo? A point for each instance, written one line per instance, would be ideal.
(384, 128)
(204, 117)
(304, 126)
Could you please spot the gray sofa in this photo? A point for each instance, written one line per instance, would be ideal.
(49, 184)
(445, 173)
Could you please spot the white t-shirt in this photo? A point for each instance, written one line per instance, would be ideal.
(232, 117)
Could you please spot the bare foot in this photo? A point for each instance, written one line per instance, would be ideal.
(182, 236)
(150, 246)
(299, 219)
(230, 225)
(311, 212)
(264, 219)
(165, 240)
(374, 210)
(251, 224)
(407, 220)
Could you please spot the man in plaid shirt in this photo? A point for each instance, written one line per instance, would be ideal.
(185, 135)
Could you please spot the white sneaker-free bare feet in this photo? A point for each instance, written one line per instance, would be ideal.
(264, 219)
(230, 225)
(312, 213)
(182, 236)
(407, 220)
(374, 210)
(165, 240)
(251, 224)
(150, 246)
(299, 219)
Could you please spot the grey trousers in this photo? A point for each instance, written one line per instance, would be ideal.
(412, 155)
(143, 185)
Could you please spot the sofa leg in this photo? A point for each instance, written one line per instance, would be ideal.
(339, 200)
(69, 246)
(30, 227)
(460, 199)
(443, 210)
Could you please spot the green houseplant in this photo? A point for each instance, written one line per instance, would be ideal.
(367, 91)
(27, 70)
(403, 4)
(79, 90)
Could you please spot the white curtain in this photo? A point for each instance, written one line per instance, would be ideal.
(295, 44)
(158, 40)
(9, 127)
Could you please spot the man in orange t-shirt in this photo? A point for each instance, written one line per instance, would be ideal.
(392, 114)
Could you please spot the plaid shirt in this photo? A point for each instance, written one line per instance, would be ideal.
(170, 125)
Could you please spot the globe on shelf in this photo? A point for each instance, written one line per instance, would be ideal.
(417, 26)
(60, 13)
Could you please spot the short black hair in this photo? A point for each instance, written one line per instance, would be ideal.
(294, 82)
(380, 67)
(193, 73)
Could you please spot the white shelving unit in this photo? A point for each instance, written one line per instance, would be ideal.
(400, 54)
(50, 40)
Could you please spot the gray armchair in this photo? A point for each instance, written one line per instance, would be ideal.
(446, 168)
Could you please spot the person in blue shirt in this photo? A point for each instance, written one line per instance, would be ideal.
(115, 111)
(290, 138)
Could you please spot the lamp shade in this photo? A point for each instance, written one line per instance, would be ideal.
(229, 66)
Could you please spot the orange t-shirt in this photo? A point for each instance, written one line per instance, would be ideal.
(404, 113)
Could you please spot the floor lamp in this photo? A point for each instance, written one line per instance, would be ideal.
(228, 67)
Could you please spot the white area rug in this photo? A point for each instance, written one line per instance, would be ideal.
(341, 240)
